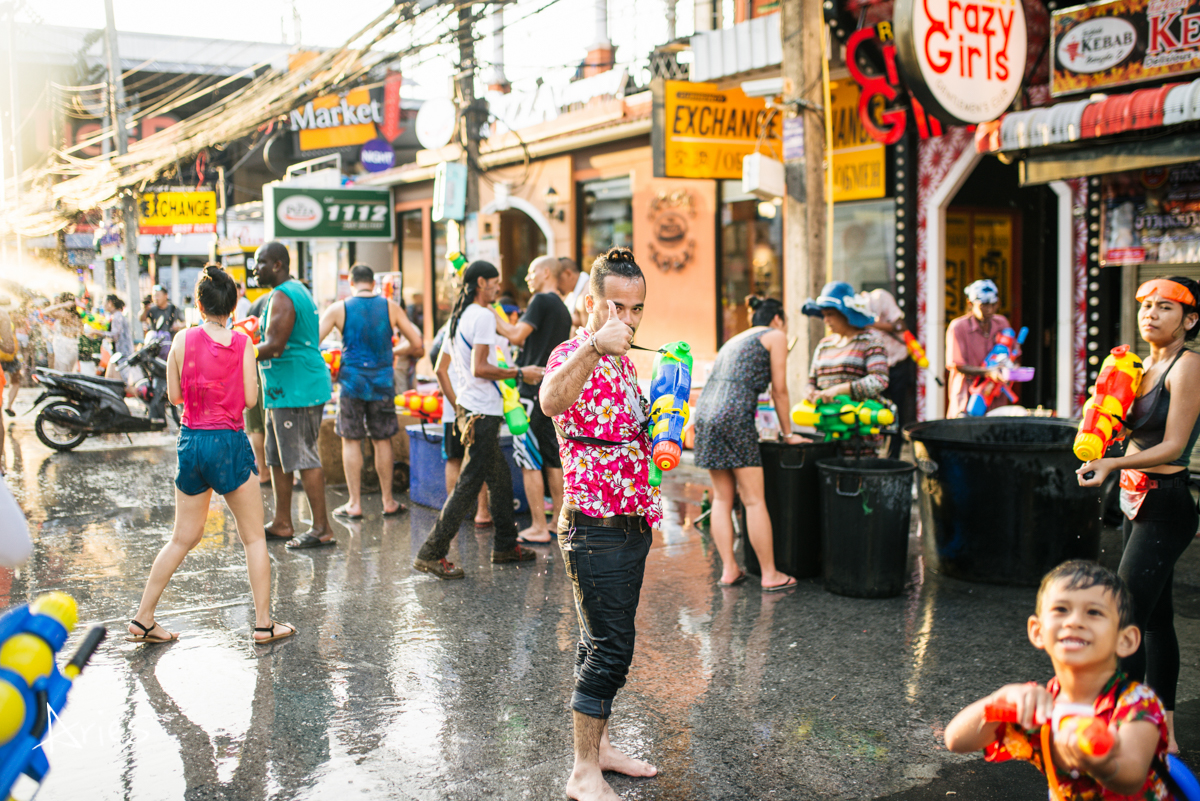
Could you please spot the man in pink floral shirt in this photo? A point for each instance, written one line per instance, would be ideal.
(609, 508)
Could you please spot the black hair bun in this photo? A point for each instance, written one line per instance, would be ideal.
(753, 301)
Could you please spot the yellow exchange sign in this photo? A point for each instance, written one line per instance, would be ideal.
(178, 212)
(708, 131)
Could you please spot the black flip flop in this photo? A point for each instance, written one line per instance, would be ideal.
(271, 535)
(398, 510)
(307, 540)
(790, 584)
(339, 512)
(741, 577)
(10, 412)
(551, 541)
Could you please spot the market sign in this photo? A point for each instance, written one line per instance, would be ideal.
(964, 61)
(705, 132)
(177, 212)
(337, 214)
(337, 120)
(858, 159)
(1122, 42)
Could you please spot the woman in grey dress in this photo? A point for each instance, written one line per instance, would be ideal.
(727, 439)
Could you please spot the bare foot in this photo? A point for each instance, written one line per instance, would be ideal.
(613, 759)
(348, 510)
(278, 532)
(590, 787)
(535, 534)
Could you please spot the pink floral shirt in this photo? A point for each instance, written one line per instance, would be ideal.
(606, 481)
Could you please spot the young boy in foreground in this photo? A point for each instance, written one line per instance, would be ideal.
(1084, 622)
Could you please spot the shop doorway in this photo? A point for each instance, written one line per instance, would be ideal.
(521, 241)
(997, 229)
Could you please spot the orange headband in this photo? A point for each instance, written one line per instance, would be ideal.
(1167, 290)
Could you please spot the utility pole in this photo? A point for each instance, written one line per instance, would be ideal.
(470, 114)
(116, 99)
(804, 231)
(14, 119)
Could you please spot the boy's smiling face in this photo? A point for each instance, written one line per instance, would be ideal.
(1081, 628)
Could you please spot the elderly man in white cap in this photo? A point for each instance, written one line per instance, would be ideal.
(969, 339)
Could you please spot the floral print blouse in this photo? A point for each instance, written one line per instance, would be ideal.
(606, 481)
(1121, 700)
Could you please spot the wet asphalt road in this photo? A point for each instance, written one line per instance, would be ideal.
(400, 686)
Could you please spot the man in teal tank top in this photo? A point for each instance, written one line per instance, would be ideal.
(296, 387)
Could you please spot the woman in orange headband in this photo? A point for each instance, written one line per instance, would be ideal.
(1160, 515)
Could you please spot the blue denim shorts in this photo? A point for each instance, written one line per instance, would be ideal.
(217, 459)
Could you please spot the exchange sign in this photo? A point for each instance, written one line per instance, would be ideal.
(338, 214)
(182, 212)
(705, 132)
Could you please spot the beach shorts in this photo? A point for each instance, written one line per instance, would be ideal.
(358, 419)
(292, 436)
(219, 459)
(538, 447)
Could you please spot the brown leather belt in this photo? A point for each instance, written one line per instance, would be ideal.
(576, 519)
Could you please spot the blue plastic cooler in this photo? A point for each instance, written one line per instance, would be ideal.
(427, 468)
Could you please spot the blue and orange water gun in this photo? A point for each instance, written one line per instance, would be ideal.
(984, 389)
(33, 691)
(670, 388)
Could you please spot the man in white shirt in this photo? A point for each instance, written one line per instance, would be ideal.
(242, 310)
(902, 377)
(472, 341)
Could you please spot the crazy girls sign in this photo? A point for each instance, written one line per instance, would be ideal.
(964, 60)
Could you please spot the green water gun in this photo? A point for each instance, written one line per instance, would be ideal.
(515, 415)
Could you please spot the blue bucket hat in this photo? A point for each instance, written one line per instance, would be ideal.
(839, 296)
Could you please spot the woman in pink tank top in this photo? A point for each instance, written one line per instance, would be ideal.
(212, 371)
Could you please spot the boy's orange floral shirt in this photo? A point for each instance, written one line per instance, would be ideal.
(1121, 700)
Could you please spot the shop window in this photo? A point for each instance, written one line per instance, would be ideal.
(606, 208)
(412, 264)
(1152, 216)
(751, 255)
(864, 244)
(445, 288)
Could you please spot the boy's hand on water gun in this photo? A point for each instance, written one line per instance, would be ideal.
(1029, 705)
(1087, 751)
(614, 337)
(532, 374)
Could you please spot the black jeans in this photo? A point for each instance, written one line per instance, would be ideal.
(1154, 540)
(606, 566)
(484, 461)
(902, 391)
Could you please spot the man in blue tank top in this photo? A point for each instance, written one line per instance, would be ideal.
(296, 387)
(366, 404)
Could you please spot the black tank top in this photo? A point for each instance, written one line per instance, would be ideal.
(1148, 418)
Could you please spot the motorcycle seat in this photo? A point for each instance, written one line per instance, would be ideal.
(110, 383)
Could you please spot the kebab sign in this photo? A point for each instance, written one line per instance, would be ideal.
(964, 61)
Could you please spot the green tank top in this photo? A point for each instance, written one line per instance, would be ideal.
(297, 377)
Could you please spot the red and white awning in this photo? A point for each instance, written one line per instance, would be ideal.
(1092, 117)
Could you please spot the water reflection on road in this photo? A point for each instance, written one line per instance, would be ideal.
(401, 686)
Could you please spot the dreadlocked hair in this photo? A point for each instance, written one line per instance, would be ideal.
(466, 293)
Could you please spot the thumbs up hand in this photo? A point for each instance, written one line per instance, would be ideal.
(614, 337)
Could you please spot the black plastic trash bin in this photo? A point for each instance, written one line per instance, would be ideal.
(793, 497)
(999, 498)
(867, 507)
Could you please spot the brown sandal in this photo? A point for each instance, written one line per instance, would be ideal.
(271, 629)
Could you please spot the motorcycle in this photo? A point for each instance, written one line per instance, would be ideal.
(87, 405)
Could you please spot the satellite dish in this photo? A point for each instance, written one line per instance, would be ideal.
(435, 123)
